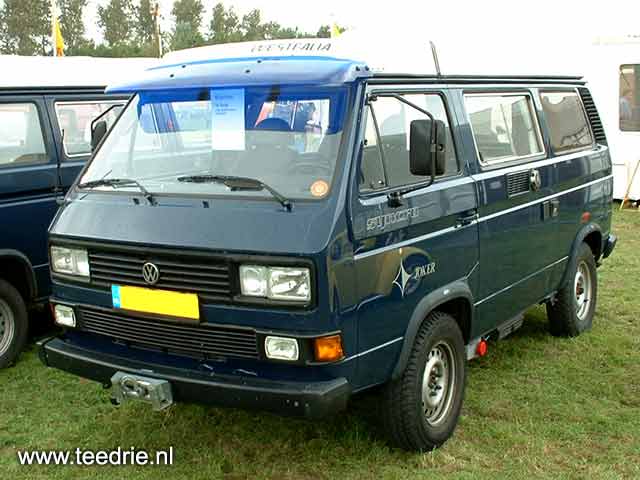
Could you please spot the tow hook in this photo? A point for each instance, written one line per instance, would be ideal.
(127, 386)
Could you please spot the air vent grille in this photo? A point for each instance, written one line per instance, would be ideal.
(518, 183)
(594, 118)
(202, 340)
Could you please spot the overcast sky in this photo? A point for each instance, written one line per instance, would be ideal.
(462, 18)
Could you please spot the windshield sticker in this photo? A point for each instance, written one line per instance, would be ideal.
(319, 188)
(382, 221)
(228, 126)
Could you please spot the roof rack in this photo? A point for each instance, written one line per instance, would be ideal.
(476, 79)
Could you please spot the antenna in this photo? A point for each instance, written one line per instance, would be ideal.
(435, 58)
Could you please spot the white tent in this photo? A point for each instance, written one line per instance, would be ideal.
(35, 72)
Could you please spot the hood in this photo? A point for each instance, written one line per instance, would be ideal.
(217, 224)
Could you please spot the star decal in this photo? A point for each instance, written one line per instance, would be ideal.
(402, 278)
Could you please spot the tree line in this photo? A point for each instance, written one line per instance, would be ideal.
(128, 27)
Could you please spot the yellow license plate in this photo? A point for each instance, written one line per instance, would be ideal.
(160, 302)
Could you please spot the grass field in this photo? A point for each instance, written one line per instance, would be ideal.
(537, 406)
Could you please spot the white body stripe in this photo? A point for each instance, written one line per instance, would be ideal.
(386, 344)
(444, 231)
(543, 199)
(520, 281)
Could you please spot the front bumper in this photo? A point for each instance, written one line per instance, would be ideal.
(309, 399)
(609, 245)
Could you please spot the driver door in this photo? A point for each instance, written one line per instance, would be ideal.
(403, 252)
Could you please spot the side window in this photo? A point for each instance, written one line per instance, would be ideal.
(504, 126)
(21, 139)
(630, 98)
(394, 119)
(74, 119)
(568, 125)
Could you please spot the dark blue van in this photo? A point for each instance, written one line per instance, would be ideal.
(45, 139)
(283, 228)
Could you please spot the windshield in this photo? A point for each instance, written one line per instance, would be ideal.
(285, 137)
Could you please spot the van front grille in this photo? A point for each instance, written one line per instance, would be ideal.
(594, 118)
(200, 341)
(209, 278)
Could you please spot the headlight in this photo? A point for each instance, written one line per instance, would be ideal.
(276, 283)
(70, 261)
(253, 280)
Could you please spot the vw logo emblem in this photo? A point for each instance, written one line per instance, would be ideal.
(150, 273)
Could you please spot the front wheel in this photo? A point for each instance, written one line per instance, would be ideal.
(13, 324)
(571, 312)
(421, 408)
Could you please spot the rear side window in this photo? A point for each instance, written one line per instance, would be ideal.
(630, 98)
(21, 139)
(74, 119)
(504, 126)
(567, 121)
(394, 118)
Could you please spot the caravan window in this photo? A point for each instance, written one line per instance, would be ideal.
(21, 140)
(630, 98)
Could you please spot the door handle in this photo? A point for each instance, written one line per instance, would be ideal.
(467, 218)
(535, 182)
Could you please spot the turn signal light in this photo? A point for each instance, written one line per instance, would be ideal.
(328, 349)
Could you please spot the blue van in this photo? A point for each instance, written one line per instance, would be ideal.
(281, 228)
(45, 139)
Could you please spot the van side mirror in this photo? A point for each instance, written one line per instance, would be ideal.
(423, 160)
(98, 133)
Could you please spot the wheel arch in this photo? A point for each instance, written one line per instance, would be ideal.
(16, 269)
(455, 299)
(591, 234)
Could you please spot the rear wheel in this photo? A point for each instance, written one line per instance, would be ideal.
(421, 408)
(13, 324)
(571, 313)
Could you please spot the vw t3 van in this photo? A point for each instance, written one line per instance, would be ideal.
(276, 226)
(45, 140)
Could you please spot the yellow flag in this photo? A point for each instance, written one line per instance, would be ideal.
(335, 30)
(58, 39)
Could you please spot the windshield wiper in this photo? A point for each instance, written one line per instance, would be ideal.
(118, 182)
(239, 183)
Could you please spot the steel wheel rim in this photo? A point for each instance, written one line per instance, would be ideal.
(7, 326)
(438, 383)
(582, 290)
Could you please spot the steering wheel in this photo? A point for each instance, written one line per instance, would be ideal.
(311, 167)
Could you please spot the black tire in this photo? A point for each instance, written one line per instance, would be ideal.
(409, 423)
(568, 313)
(14, 324)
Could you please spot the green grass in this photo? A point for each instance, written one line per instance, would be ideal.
(536, 406)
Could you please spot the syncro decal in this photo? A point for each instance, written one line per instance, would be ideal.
(382, 221)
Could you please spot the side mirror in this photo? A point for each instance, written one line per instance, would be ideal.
(423, 160)
(98, 133)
